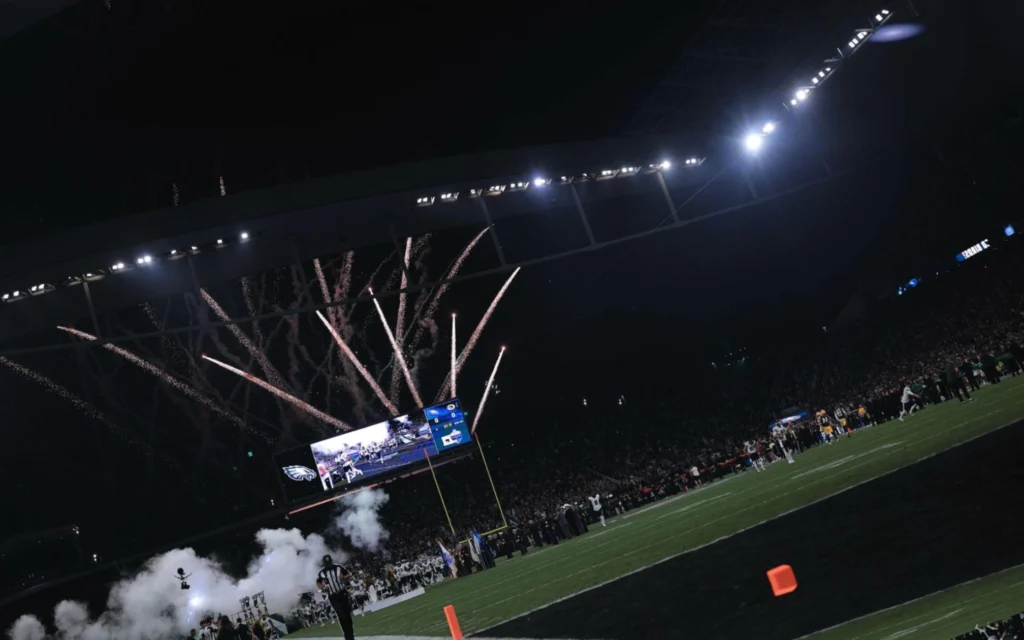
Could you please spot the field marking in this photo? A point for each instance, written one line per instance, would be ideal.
(686, 508)
(757, 524)
(624, 524)
(842, 461)
(913, 630)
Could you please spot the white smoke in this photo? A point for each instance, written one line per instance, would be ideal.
(359, 519)
(151, 605)
(27, 628)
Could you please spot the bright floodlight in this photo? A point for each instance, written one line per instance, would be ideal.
(793, 101)
(801, 94)
(665, 164)
(220, 241)
(768, 127)
(753, 141)
(539, 182)
(878, 17)
(245, 235)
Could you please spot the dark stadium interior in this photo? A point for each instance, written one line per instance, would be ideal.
(659, 320)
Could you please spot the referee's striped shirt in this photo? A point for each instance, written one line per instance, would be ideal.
(334, 577)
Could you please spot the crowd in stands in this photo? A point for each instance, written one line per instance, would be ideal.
(968, 321)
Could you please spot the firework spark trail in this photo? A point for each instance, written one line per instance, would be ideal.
(487, 391)
(63, 392)
(452, 272)
(169, 379)
(359, 365)
(332, 312)
(453, 373)
(338, 323)
(290, 399)
(400, 321)
(398, 353)
(476, 333)
(268, 369)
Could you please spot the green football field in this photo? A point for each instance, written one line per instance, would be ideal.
(674, 526)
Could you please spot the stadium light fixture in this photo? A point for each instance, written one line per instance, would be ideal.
(495, 190)
(424, 201)
(40, 289)
(793, 102)
(801, 95)
(541, 182)
(193, 249)
(141, 260)
(754, 141)
(474, 193)
(93, 276)
(518, 186)
(768, 128)
(244, 236)
(220, 242)
(665, 165)
(607, 174)
(627, 171)
(117, 266)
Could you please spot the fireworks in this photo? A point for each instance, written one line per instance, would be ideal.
(453, 372)
(400, 322)
(398, 353)
(268, 369)
(452, 272)
(169, 379)
(64, 393)
(487, 391)
(359, 365)
(476, 334)
(290, 399)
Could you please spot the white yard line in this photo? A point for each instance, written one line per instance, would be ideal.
(757, 524)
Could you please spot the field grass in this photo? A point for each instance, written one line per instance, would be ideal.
(644, 537)
(941, 615)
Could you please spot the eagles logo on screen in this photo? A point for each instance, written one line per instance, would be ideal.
(299, 473)
(452, 439)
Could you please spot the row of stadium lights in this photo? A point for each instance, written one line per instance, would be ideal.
(754, 140)
(145, 260)
(541, 181)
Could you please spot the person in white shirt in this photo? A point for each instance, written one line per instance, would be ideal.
(909, 397)
(595, 504)
(754, 456)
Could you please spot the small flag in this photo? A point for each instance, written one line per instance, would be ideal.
(475, 547)
(448, 559)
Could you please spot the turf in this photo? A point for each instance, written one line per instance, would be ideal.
(941, 615)
(642, 538)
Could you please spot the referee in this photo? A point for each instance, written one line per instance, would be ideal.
(332, 580)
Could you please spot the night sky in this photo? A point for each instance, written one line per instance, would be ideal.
(105, 109)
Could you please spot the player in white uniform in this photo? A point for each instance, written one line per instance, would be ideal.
(907, 399)
(351, 471)
(595, 504)
(754, 456)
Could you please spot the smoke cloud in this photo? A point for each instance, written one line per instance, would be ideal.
(359, 519)
(150, 605)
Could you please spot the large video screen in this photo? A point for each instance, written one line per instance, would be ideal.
(361, 454)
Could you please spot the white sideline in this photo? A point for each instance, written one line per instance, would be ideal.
(918, 599)
(757, 524)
